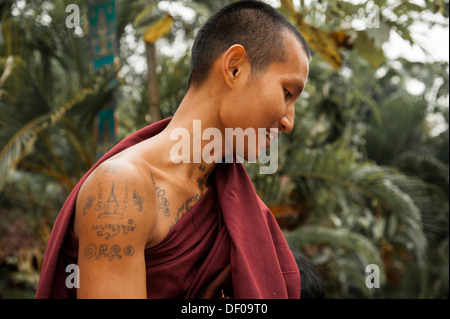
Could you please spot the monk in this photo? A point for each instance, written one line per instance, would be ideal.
(140, 224)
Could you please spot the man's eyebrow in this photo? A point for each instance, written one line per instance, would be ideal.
(299, 86)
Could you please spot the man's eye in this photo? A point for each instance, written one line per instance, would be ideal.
(287, 95)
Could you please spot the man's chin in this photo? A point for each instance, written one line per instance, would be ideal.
(250, 155)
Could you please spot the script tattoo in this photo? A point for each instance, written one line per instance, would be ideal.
(90, 251)
(163, 202)
(202, 181)
(88, 204)
(99, 205)
(125, 201)
(115, 252)
(110, 230)
(138, 200)
(113, 206)
(104, 251)
(128, 251)
(185, 207)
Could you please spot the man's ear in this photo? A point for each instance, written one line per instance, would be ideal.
(233, 62)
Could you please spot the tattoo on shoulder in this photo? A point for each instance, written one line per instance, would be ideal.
(112, 167)
(112, 206)
(138, 200)
(163, 202)
(99, 205)
(125, 200)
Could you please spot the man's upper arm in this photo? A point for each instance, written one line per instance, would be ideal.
(113, 221)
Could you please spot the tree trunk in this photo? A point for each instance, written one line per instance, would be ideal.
(154, 111)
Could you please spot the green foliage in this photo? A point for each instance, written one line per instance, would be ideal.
(361, 162)
(347, 253)
(48, 102)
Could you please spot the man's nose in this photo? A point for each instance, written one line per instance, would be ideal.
(287, 121)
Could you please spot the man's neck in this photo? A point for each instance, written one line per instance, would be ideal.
(185, 134)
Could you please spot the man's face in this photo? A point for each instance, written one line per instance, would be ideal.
(267, 100)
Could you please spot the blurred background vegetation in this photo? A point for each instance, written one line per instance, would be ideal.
(362, 179)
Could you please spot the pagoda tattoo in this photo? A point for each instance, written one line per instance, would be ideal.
(111, 206)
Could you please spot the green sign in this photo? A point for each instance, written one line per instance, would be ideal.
(102, 32)
(103, 46)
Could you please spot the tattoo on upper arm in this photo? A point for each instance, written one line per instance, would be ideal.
(128, 251)
(108, 230)
(125, 200)
(88, 204)
(163, 202)
(99, 205)
(112, 252)
(112, 207)
(90, 251)
(110, 204)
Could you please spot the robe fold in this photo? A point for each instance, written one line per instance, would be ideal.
(227, 242)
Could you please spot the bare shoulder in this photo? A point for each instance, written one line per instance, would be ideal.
(116, 192)
(114, 222)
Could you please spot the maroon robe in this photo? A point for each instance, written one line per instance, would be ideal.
(228, 241)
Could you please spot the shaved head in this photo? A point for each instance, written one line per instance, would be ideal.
(255, 25)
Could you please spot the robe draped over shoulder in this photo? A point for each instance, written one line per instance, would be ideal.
(229, 240)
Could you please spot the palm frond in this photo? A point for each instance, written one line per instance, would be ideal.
(383, 187)
(23, 140)
(353, 269)
(338, 238)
